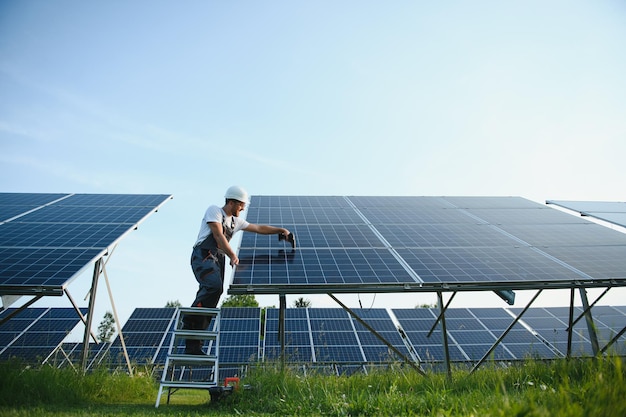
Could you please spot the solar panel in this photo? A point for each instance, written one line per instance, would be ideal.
(392, 244)
(147, 333)
(609, 211)
(298, 343)
(240, 330)
(48, 239)
(33, 334)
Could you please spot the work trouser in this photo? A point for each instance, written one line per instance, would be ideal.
(209, 272)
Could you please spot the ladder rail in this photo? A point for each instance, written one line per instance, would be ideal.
(186, 362)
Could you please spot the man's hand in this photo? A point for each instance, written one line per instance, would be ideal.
(289, 237)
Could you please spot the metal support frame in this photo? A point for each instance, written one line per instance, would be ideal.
(378, 335)
(99, 268)
(117, 320)
(591, 327)
(18, 310)
(610, 343)
(441, 313)
(503, 335)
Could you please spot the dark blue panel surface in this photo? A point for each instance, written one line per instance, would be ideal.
(57, 235)
(320, 266)
(484, 265)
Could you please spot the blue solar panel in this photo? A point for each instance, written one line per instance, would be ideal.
(609, 211)
(34, 333)
(147, 333)
(376, 244)
(55, 236)
(240, 330)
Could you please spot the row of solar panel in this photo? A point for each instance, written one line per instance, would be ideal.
(325, 335)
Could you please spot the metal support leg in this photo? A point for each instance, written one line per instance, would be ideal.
(591, 327)
(444, 333)
(92, 304)
(281, 328)
(570, 327)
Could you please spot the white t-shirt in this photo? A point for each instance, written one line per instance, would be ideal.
(230, 224)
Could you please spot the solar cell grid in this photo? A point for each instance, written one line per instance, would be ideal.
(152, 313)
(303, 215)
(58, 235)
(114, 200)
(465, 240)
(464, 324)
(369, 339)
(79, 214)
(402, 202)
(378, 325)
(476, 352)
(297, 201)
(595, 261)
(228, 313)
(493, 265)
(338, 354)
(491, 202)
(146, 325)
(442, 235)
(23, 268)
(28, 199)
(317, 236)
(415, 216)
(381, 354)
(525, 216)
(583, 234)
(9, 212)
(334, 325)
(319, 266)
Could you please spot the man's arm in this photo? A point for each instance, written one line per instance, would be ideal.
(222, 242)
(264, 229)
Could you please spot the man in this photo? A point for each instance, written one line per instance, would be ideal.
(208, 256)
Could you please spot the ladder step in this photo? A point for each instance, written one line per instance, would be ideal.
(199, 311)
(182, 359)
(188, 384)
(195, 334)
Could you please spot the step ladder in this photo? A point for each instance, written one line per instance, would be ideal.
(178, 371)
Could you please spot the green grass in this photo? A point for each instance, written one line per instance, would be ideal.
(562, 388)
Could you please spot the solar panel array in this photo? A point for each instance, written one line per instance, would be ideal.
(326, 336)
(34, 334)
(608, 211)
(48, 239)
(390, 244)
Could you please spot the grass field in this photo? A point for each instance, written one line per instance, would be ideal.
(589, 387)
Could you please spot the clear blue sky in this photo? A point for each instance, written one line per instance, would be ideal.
(522, 98)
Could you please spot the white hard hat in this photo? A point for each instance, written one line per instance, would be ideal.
(237, 193)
